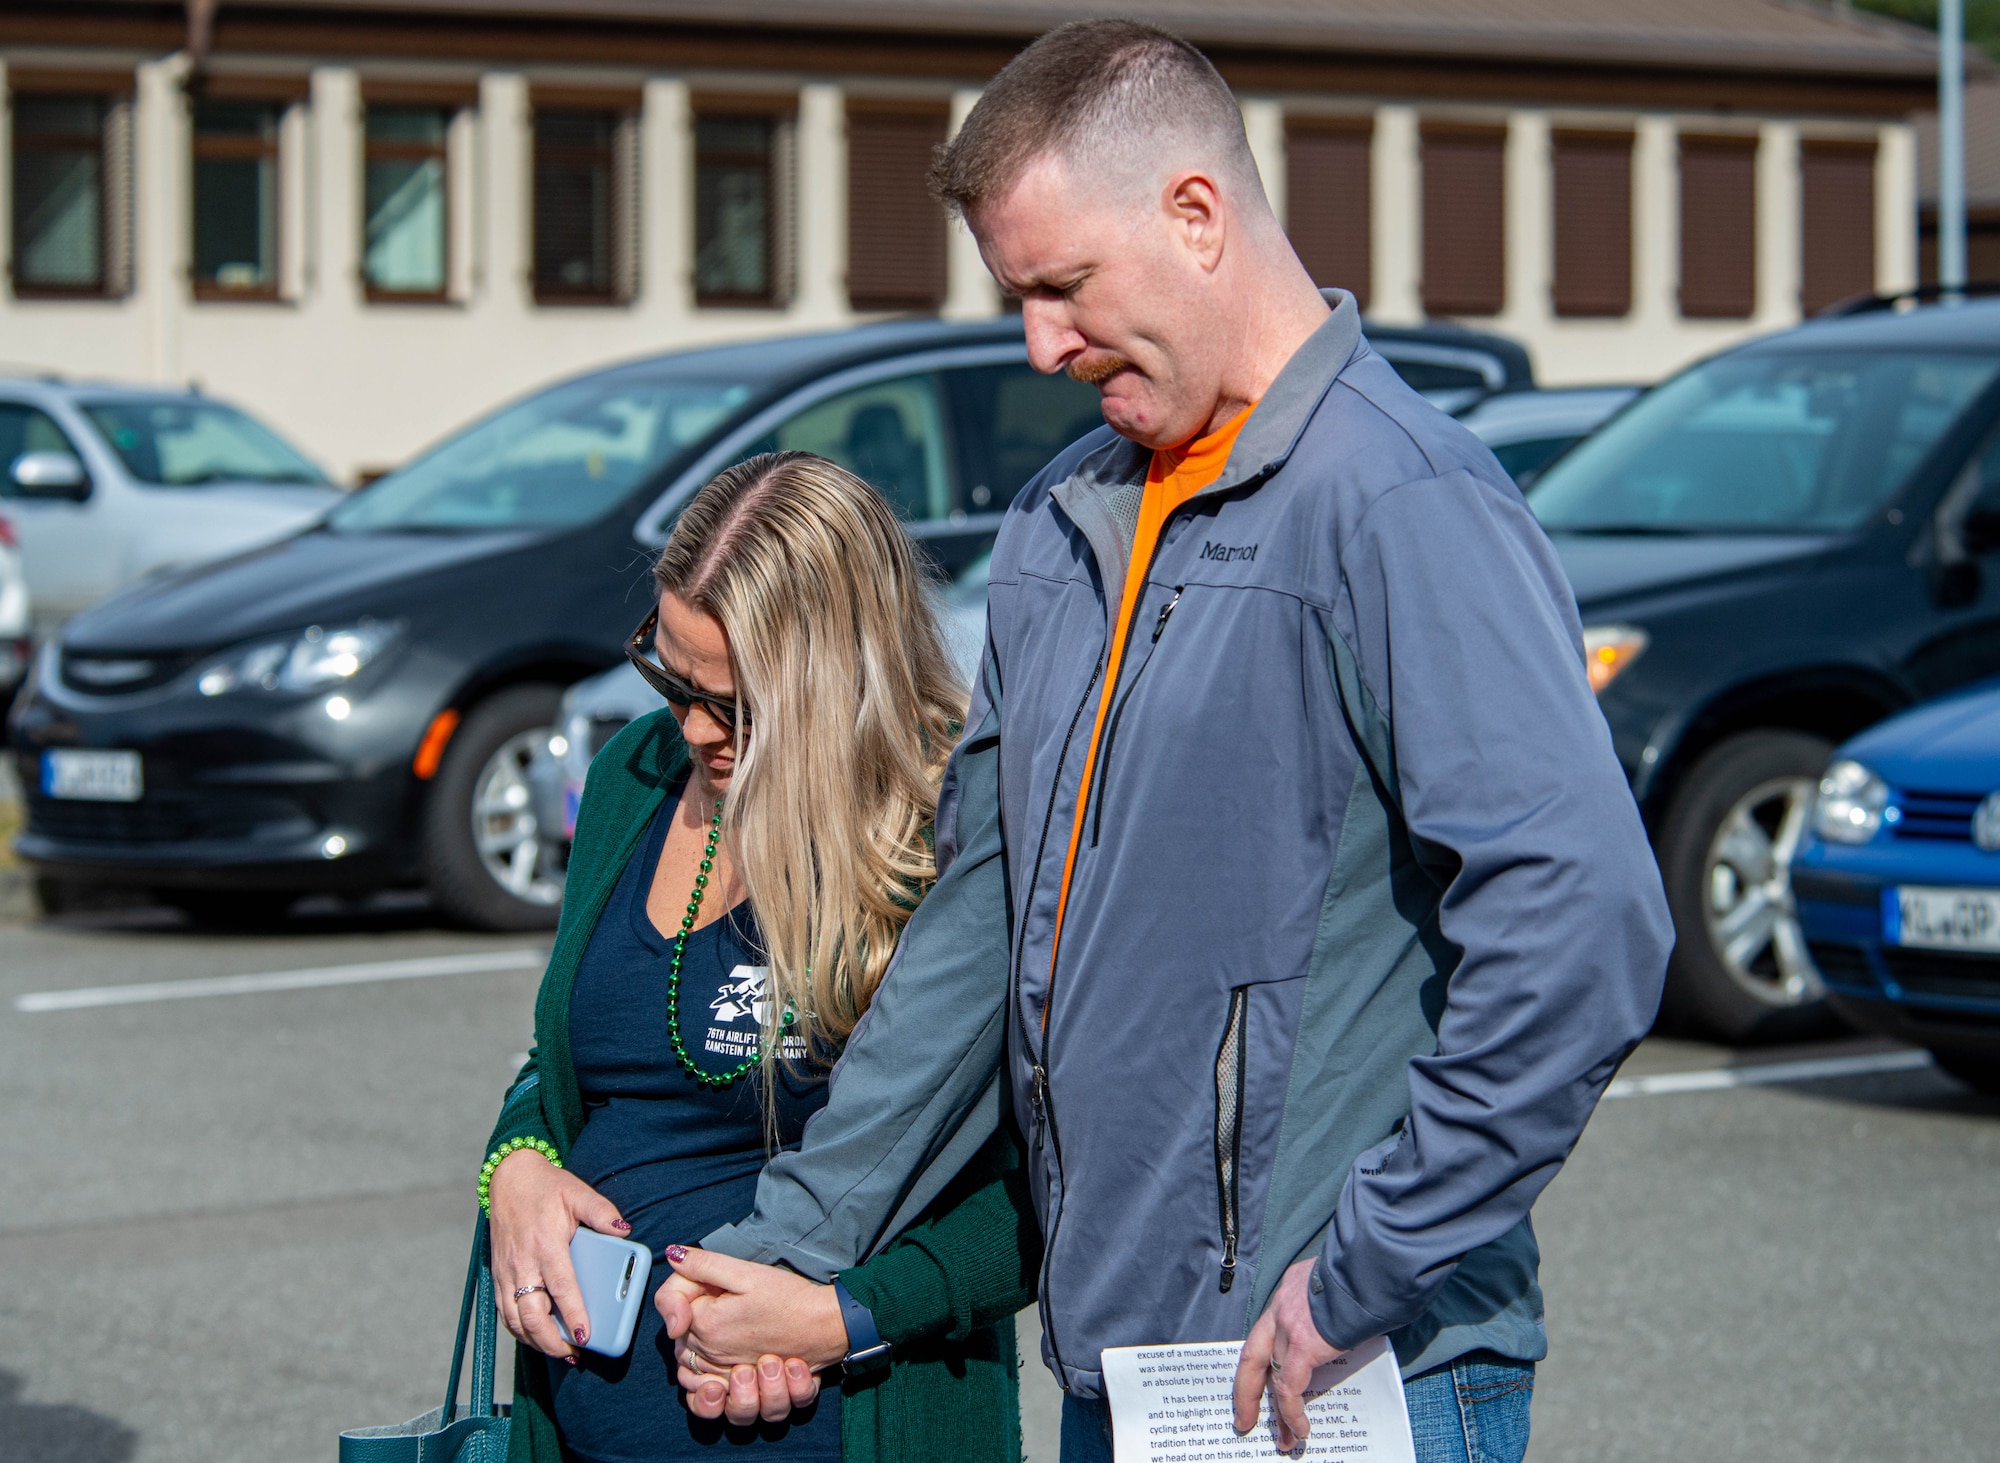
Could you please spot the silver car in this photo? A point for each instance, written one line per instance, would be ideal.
(106, 485)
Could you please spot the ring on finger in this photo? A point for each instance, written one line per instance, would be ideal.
(522, 1292)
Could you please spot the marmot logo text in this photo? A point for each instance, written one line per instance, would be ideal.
(1228, 553)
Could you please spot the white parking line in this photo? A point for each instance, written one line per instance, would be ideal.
(280, 980)
(1817, 1070)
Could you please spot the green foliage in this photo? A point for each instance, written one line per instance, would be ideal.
(1982, 18)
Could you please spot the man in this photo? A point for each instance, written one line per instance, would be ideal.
(1287, 856)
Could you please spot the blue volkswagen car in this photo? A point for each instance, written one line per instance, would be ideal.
(1897, 879)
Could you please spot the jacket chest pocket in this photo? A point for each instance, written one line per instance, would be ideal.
(1229, 1085)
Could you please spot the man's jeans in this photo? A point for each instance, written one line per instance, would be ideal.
(1473, 1410)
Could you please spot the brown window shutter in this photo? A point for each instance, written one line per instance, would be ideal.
(1465, 227)
(895, 229)
(579, 214)
(1328, 200)
(1593, 185)
(1718, 227)
(1838, 222)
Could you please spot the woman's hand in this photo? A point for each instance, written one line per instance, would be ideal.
(534, 1211)
(747, 1337)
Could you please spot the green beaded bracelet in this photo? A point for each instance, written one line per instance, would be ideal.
(502, 1154)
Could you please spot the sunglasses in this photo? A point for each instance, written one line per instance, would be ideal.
(678, 693)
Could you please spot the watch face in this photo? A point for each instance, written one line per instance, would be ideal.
(866, 1360)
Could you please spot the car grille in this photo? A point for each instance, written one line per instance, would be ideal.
(1927, 972)
(1842, 964)
(169, 818)
(1938, 816)
(109, 673)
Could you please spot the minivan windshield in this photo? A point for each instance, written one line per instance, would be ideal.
(1762, 443)
(567, 456)
(185, 443)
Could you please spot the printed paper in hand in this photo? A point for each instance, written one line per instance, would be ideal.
(1174, 1404)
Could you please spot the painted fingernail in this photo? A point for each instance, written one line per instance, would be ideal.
(582, 1335)
(676, 1254)
(620, 1224)
(570, 1359)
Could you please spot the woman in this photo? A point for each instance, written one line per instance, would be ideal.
(743, 865)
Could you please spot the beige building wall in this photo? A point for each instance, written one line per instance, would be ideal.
(362, 386)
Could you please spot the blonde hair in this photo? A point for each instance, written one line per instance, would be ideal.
(853, 706)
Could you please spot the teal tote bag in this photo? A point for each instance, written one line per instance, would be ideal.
(442, 1435)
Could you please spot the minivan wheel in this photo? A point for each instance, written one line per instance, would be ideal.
(1740, 970)
(487, 860)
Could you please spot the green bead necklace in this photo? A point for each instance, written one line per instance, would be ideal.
(749, 1064)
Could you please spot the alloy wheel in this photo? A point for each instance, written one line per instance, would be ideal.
(1752, 923)
(512, 847)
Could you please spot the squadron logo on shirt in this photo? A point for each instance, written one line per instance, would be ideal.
(741, 1006)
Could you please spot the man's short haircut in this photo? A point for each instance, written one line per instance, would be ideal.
(1112, 92)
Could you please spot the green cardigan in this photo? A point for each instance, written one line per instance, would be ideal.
(944, 1293)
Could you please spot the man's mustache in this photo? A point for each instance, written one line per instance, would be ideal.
(1095, 371)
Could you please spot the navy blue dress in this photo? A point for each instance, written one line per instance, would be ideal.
(678, 1159)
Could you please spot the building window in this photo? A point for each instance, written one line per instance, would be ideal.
(1328, 188)
(405, 243)
(1465, 228)
(1718, 177)
(1837, 183)
(72, 194)
(895, 229)
(1593, 223)
(736, 237)
(236, 198)
(585, 205)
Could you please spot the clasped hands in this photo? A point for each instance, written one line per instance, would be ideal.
(748, 1339)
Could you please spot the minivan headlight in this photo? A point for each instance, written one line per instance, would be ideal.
(315, 658)
(1850, 805)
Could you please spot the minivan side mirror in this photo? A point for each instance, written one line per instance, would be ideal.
(48, 475)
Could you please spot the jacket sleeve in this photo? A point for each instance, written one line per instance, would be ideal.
(1457, 622)
(917, 1092)
(969, 1261)
(521, 1113)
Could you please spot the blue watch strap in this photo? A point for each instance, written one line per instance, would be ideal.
(864, 1341)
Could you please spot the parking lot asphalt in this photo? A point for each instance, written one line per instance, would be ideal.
(234, 1221)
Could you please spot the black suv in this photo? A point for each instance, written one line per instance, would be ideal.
(356, 707)
(1771, 551)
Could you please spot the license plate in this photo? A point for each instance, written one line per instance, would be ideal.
(1947, 919)
(96, 777)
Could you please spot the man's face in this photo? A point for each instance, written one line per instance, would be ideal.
(1114, 290)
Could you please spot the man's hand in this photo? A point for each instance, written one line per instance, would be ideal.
(747, 1338)
(1284, 1348)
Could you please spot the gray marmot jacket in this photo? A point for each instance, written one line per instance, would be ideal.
(1362, 918)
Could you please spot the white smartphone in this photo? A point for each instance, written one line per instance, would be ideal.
(612, 1275)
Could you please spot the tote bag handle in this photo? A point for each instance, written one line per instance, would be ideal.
(477, 1308)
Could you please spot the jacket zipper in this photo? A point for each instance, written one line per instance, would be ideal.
(1229, 1085)
(1040, 1098)
(1102, 776)
(1038, 1094)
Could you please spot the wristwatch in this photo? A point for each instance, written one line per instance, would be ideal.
(866, 1350)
